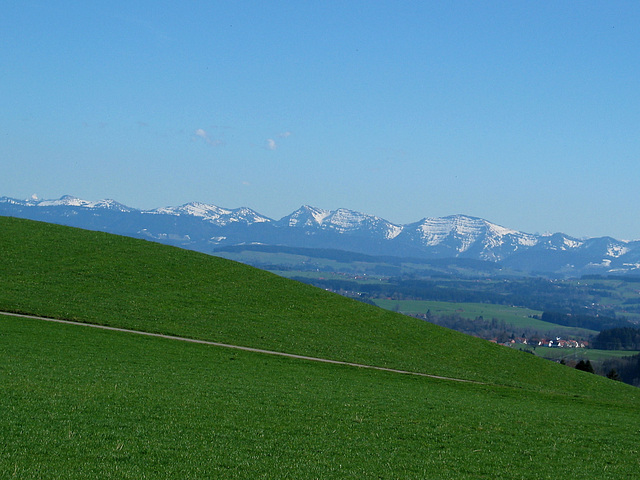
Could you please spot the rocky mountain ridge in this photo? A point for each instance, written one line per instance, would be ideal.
(205, 227)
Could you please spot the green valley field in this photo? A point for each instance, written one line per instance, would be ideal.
(79, 402)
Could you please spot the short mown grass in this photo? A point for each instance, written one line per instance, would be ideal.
(80, 403)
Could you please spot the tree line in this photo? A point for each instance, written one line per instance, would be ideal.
(621, 338)
(591, 322)
(626, 369)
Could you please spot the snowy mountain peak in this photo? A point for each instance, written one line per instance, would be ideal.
(344, 220)
(435, 230)
(463, 234)
(65, 200)
(341, 220)
(306, 216)
(71, 201)
(214, 214)
(196, 209)
(560, 241)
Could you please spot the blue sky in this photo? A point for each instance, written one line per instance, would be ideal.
(523, 113)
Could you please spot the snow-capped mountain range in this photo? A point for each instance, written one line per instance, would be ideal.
(205, 228)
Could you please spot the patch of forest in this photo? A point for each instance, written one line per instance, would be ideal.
(591, 322)
(626, 369)
(621, 338)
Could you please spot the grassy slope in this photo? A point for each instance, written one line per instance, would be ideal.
(68, 273)
(80, 403)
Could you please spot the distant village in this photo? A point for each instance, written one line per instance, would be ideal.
(557, 342)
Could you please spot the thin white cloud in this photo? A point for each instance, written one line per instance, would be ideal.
(271, 143)
(205, 136)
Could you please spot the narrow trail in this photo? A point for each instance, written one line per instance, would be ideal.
(239, 347)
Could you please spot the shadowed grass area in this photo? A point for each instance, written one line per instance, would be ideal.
(80, 403)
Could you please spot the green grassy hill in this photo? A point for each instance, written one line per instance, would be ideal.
(80, 403)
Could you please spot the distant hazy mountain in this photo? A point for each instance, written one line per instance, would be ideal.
(203, 227)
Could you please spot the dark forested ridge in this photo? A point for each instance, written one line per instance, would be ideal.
(622, 338)
(597, 322)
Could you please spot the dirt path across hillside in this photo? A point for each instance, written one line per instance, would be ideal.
(239, 347)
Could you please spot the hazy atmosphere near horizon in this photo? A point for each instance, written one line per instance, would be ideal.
(526, 114)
